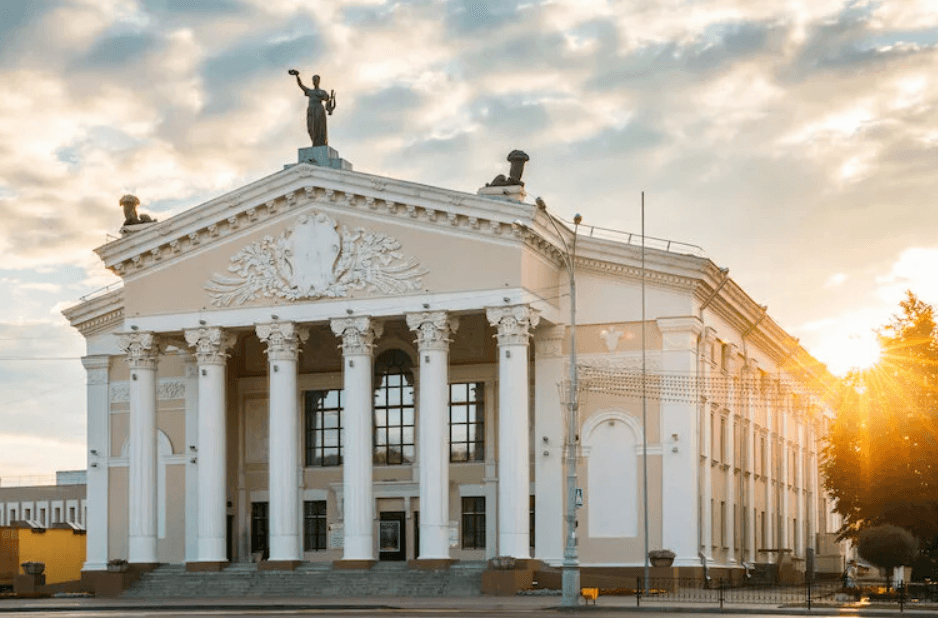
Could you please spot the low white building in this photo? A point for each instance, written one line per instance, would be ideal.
(327, 365)
(43, 505)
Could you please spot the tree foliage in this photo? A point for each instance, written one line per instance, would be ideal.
(887, 546)
(881, 458)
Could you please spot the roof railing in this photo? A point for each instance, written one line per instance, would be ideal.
(633, 239)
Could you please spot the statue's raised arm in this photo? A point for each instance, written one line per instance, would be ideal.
(315, 113)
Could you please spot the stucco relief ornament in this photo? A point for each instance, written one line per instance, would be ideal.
(316, 258)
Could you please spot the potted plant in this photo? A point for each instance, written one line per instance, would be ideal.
(117, 565)
(661, 557)
(34, 568)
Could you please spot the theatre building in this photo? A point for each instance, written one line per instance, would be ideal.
(327, 365)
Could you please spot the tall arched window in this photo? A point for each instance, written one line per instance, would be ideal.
(394, 409)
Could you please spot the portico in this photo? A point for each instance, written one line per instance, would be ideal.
(356, 338)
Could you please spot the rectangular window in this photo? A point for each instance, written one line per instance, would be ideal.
(723, 439)
(71, 514)
(259, 527)
(29, 514)
(58, 515)
(314, 526)
(467, 422)
(762, 461)
(13, 515)
(473, 523)
(324, 428)
(42, 517)
(723, 525)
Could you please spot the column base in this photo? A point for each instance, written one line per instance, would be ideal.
(353, 564)
(431, 564)
(279, 565)
(207, 566)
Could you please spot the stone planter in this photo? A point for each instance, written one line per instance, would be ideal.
(34, 568)
(661, 557)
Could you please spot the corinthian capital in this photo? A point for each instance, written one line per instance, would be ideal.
(142, 349)
(433, 329)
(358, 333)
(514, 323)
(283, 339)
(211, 344)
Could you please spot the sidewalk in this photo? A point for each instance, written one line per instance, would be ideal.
(483, 605)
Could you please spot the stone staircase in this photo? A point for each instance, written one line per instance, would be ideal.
(310, 580)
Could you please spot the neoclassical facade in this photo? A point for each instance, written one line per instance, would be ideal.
(327, 365)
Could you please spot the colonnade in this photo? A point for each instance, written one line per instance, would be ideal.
(433, 329)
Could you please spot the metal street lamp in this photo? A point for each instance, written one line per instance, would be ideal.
(571, 563)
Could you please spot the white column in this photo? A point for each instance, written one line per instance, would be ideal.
(706, 427)
(680, 458)
(729, 448)
(800, 541)
(433, 331)
(142, 349)
(784, 478)
(358, 335)
(283, 341)
(771, 415)
(755, 386)
(514, 324)
(211, 346)
(97, 482)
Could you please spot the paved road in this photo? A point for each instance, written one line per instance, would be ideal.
(379, 613)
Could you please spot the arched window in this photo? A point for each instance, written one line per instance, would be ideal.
(394, 409)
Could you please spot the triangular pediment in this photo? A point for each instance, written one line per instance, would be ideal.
(298, 186)
(310, 234)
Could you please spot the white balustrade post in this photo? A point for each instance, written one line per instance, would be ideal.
(283, 341)
(211, 345)
(142, 349)
(358, 335)
(433, 331)
(513, 324)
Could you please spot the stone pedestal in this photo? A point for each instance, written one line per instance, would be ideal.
(515, 193)
(28, 584)
(323, 156)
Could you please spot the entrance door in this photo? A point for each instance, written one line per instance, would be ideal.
(416, 534)
(392, 536)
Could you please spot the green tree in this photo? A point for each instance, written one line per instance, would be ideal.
(881, 458)
(887, 547)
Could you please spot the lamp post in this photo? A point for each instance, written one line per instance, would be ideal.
(571, 563)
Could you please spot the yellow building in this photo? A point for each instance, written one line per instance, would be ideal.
(61, 549)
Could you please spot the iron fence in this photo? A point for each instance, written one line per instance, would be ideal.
(693, 591)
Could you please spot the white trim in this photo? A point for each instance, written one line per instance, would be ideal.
(324, 310)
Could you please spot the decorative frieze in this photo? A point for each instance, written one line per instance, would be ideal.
(514, 323)
(142, 349)
(211, 344)
(358, 334)
(433, 329)
(283, 339)
(316, 258)
(172, 388)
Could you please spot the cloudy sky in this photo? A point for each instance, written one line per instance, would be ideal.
(796, 141)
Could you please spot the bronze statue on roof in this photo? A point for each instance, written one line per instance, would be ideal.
(517, 159)
(316, 113)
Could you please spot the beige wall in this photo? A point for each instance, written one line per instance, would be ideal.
(179, 286)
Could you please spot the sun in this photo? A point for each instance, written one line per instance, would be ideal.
(856, 352)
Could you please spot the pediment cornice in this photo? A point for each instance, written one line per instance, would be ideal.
(299, 186)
